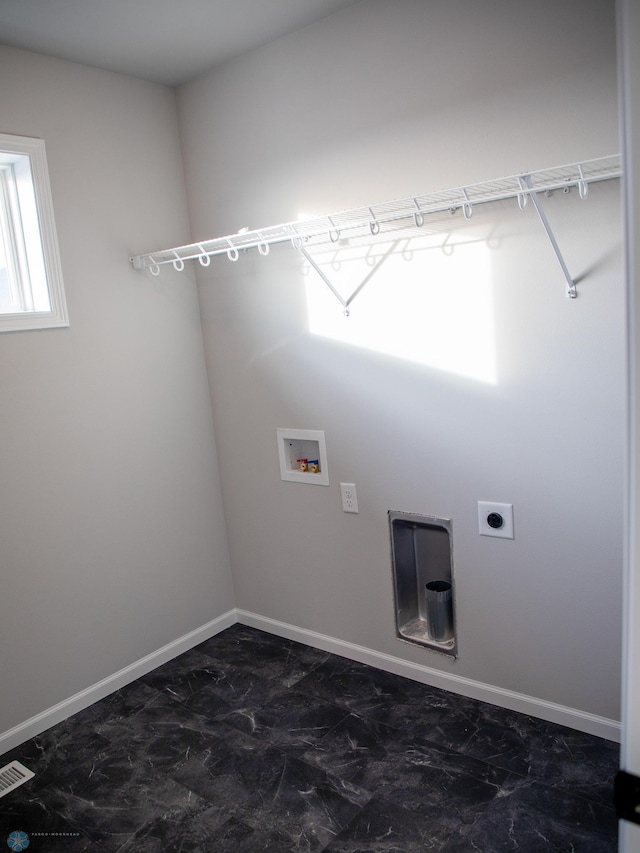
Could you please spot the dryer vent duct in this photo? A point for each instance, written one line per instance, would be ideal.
(422, 559)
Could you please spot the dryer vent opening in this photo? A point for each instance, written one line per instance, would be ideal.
(422, 560)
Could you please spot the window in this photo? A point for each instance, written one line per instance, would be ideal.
(31, 291)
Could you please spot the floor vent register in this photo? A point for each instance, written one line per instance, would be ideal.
(12, 776)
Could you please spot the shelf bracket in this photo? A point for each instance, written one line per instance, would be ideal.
(345, 302)
(525, 183)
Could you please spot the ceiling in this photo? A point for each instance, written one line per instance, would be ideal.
(164, 41)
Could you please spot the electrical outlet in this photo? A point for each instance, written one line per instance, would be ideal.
(349, 497)
(495, 519)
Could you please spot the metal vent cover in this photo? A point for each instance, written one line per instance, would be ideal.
(12, 776)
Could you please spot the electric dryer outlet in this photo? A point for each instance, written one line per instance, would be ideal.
(495, 519)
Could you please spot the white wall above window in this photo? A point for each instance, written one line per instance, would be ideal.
(31, 289)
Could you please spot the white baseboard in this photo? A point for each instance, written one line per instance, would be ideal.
(38, 724)
(571, 717)
(544, 710)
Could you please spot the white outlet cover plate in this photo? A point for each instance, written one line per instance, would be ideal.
(349, 497)
(485, 508)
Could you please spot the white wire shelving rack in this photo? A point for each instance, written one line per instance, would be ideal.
(410, 212)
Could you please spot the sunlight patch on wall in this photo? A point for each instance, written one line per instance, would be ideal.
(421, 304)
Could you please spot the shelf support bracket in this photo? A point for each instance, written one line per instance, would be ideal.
(525, 183)
(346, 302)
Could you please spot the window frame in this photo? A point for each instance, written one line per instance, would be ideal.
(21, 245)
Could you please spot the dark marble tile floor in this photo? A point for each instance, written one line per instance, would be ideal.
(252, 743)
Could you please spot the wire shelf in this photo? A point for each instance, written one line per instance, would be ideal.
(406, 212)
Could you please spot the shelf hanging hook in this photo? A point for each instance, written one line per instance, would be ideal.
(263, 247)
(232, 252)
(467, 207)
(583, 186)
(374, 225)
(178, 264)
(204, 259)
(154, 268)
(418, 216)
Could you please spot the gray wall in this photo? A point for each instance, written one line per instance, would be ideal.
(382, 101)
(111, 525)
